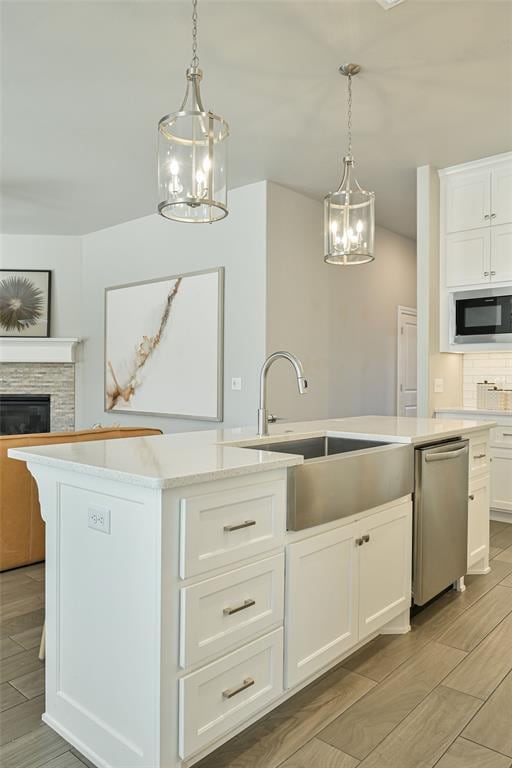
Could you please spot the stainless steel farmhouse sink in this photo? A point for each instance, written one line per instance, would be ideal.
(342, 476)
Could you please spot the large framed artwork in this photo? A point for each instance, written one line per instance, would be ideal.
(25, 299)
(164, 346)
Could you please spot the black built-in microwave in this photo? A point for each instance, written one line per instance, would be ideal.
(483, 316)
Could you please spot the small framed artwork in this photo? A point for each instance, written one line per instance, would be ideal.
(25, 301)
(164, 346)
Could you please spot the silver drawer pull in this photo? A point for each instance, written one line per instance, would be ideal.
(359, 542)
(366, 538)
(507, 434)
(471, 496)
(480, 456)
(230, 692)
(238, 526)
(246, 604)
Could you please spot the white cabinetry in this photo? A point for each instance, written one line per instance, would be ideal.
(384, 568)
(468, 257)
(475, 236)
(501, 481)
(468, 201)
(478, 520)
(343, 585)
(501, 250)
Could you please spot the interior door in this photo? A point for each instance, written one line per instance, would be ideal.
(407, 394)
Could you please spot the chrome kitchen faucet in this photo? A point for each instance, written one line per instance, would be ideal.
(263, 416)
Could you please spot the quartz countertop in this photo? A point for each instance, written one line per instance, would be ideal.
(468, 410)
(173, 460)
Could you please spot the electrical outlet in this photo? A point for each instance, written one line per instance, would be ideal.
(98, 518)
(438, 385)
(236, 383)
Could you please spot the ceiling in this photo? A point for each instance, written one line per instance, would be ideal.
(85, 83)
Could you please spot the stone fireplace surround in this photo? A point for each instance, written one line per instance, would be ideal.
(54, 379)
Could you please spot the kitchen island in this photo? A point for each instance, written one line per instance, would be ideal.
(172, 623)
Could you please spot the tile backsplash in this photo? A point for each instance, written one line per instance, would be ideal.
(485, 366)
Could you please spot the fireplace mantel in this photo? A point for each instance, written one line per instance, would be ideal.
(37, 350)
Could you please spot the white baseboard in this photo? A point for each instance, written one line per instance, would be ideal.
(500, 516)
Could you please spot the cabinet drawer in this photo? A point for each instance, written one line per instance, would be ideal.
(502, 436)
(478, 454)
(231, 609)
(224, 694)
(223, 527)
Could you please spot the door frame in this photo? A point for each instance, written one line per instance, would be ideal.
(402, 311)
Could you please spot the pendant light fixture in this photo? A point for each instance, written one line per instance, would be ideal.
(349, 225)
(192, 154)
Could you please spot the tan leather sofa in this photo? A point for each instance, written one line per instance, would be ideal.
(21, 525)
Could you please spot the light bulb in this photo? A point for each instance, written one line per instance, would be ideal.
(359, 226)
(206, 164)
(174, 167)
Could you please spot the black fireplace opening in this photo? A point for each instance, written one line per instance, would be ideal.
(24, 414)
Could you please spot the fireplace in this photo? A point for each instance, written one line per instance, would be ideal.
(24, 414)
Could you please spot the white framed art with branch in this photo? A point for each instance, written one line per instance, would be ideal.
(164, 346)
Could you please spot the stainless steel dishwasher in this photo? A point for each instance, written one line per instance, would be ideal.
(440, 517)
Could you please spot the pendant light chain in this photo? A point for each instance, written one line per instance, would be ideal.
(349, 116)
(195, 57)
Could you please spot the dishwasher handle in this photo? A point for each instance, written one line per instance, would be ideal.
(444, 455)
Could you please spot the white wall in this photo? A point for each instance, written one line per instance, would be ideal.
(297, 303)
(432, 364)
(279, 293)
(61, 255)
(152, 247)
(363, 326)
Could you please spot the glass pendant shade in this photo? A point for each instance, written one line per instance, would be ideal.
(349, 221)
(192, 160)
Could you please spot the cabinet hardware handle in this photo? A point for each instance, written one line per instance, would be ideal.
(493, 215)
(246, 604)
(507, 434)
(359, 542)
(486, 216)
(366, 538)
(471, 496)
(480, 456)
(237, 526)
(493, 272)
(230, 692)
(486, 274)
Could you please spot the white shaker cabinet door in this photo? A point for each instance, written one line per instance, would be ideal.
(501, 253)
(501, 479)
(321, 605)
(478, 519)
(468, 257)
(501, 195)
(384, 567)
(468, 201)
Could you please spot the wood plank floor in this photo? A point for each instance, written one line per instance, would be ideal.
(438, 696)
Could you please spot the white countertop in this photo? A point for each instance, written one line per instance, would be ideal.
(166, 461)
(467, 410)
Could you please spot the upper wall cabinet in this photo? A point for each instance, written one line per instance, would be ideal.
(481, 199)
(468, 201)
(475, 239)
(476, 223)
(501, 195)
